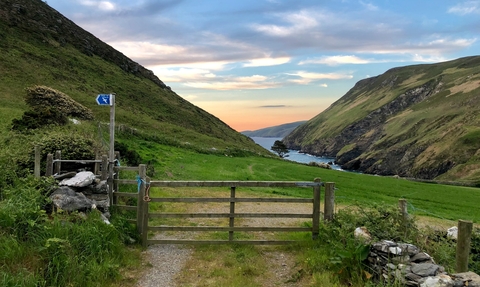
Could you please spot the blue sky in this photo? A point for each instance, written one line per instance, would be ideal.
(260, 63)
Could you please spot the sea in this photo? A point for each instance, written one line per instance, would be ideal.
(294, 155)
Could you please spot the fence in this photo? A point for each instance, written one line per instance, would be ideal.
(143, 214)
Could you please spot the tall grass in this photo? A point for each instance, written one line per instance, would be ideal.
(39, 249)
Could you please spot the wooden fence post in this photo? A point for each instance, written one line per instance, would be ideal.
(36, 170)
(49, 166)
(316, 209)
(402, 205)
(141, 196)
(96, 168)
(104, 167)
(463, 245)
(232, 213)
(116, 175)
(58, 164)
(329, 206)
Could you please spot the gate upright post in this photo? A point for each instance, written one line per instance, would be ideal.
(36, 170)
(49, 167)
(232, 213)
(58, 163)
(316, 209)
(329, 201)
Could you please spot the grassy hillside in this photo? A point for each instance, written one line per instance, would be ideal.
(276, 132)
(38, 46)
(419, 121)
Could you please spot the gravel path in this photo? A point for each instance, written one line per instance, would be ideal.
(167, 261)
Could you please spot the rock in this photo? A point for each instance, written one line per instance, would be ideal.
(452, 232)
(68, 199)
(421, 257)
(362, 232)
(81, 179)
(65, 175)
(438, 281)
(425, 269)
(100, 188)
(470, 278)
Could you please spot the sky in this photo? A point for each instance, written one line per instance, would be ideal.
(262, 63)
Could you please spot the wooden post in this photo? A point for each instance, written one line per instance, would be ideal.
(402, 205)
(96, 169)
(116, 176)
(49, 166)
(58, 164)
(144, 204)
(104, 167)
(232, 213)
(463, 245)
(36, 170)
(316, 209)
(329, 206)
(141, 196)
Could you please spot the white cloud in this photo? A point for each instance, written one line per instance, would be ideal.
(324, 85)
(233, 84)
(369, 6)
(306, 77)
(101, 5)
(468, 7)
(337, 60)
(262, 62)
(146, 50)
(298, 21)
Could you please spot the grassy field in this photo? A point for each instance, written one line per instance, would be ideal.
(435, 200)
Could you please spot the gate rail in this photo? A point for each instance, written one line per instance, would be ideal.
(143, 214)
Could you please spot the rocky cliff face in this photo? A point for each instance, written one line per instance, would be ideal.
(411, 121)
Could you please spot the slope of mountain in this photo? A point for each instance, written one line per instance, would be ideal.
(39, 46)
(418, 121)
(274, 132)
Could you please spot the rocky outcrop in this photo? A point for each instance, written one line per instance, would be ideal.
(82, 192)
(406, 264)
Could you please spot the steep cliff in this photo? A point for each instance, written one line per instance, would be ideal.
(418, 121)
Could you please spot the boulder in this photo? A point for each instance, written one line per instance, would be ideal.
(68, 199)
(81, 179)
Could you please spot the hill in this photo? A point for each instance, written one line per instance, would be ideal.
(41, 47)
(419, 121)
(279, 131)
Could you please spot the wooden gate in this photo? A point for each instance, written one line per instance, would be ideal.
(143, 214)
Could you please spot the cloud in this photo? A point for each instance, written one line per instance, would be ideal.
(262, 62)
(274, 106)
(307, 77)
(101, 5)
(296, 23)
(467, 7)
(337, 60)
(324, 85)
(232, 85)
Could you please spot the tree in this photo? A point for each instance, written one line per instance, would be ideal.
(280, 148)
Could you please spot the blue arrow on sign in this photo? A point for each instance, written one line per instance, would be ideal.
(104, 99)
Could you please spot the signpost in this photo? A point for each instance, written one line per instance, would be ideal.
(109, 100)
